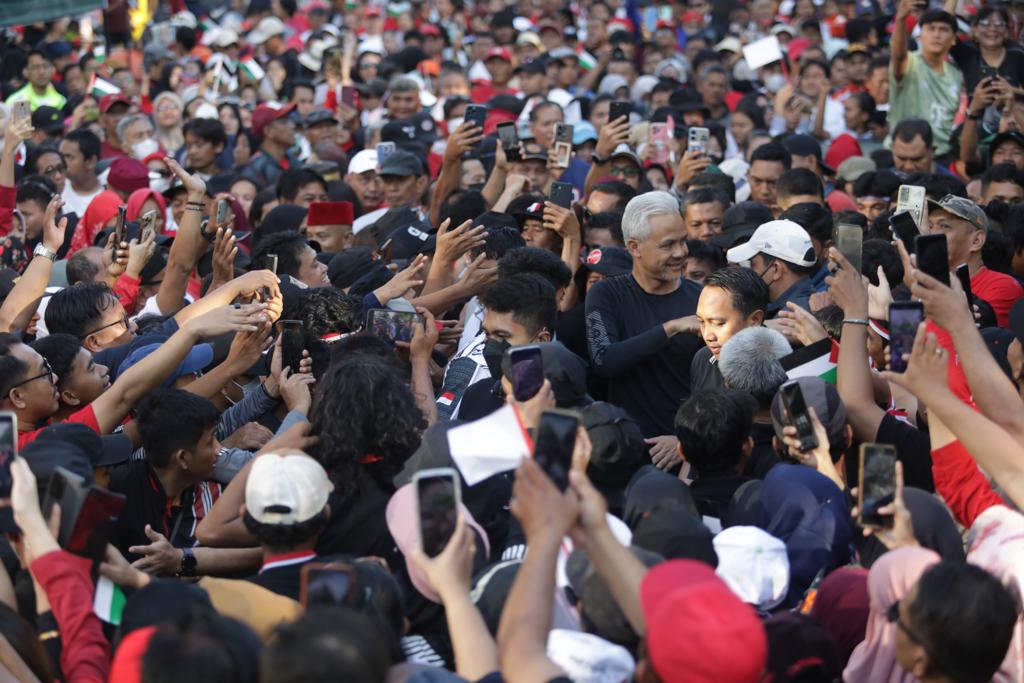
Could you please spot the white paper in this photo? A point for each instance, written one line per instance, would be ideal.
(762, 52)
(488, 446)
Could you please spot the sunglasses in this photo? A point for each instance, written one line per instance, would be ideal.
(48, 373)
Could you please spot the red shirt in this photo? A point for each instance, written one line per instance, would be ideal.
(108, 151)
(1000, 290)
(86, 416)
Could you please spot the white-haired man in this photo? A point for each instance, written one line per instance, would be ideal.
(641, 327)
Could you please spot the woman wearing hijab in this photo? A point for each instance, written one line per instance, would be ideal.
(101, 213)
(934, 529)
(842, 607)
(890, 579)
(167, 111)
(144, 200)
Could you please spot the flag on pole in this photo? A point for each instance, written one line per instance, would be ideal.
(252, 69)
(99, 87)
(108, 601)
(587, 61)
(820, 359)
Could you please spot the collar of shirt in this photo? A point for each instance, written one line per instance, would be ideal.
(287, 559)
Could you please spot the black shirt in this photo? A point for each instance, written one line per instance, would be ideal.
(357, 526)
(712, 495)
(705, 374)
(968, 57)
(648, 372)
(913, 449)
(480, 400)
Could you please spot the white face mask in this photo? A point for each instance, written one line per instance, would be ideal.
(159, 183)
(775, 82)
(141, 150)
(454, 123)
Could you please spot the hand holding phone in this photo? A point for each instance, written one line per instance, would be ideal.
(509, 140)
(22, 111)
(269, 263)
(904, 319)
(527, 366)
(554, 444)
(292, 344)
(561, 194)
(877, 484)
(619, 109)
(932, 256)
(796, 409)
(849, 241)
(121, 228)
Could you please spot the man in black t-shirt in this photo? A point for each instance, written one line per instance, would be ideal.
(641, 327)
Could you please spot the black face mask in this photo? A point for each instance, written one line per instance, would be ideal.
(494, 351)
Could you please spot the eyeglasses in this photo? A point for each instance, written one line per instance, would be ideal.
(627, 171)
(988, 23)
(48, 373)
(122, 321)
(56, 168)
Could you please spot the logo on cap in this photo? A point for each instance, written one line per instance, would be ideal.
(594, 257)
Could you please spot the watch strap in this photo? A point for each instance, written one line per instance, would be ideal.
(40, 250)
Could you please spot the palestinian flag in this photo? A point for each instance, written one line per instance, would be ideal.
(99, 87)
(252, 69)
(820, 359)
(108, 602)
(587, 61)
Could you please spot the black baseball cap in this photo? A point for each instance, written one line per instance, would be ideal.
(103, 451)
(48, 120)
(804, 146)
(402, 164)
(609, 261)
(348, 266)
(739, 222)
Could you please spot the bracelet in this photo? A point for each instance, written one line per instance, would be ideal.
(49, 635)
(855, 321)
(196, 205)
(192, 207)
(976, 117)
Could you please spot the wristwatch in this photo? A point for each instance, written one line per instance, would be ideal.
(599, 160)
(40, 250)
(188, 562)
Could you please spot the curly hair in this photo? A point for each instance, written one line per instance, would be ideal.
(363, 408)
(323, 310)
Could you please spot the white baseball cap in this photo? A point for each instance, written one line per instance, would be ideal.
(784, 240)
(286, 489)
(265, 30)
(754, 564)
(363, 161)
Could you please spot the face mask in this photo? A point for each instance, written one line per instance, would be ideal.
(775, 82)
(159, 183)
(494, 351)
(453, 124)
(141, 150)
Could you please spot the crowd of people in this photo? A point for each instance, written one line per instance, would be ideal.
(269, 266)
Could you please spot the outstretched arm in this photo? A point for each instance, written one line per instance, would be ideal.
(24, 298)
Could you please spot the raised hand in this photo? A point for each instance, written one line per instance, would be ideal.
(230, 318)
(53, 229)
(927, 368)
(451, 244)
(195, 185)
(139, 253)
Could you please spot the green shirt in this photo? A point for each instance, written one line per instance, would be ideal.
(926, 94)
(51, 98)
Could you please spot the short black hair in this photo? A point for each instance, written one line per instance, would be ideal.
(618, 188)
(717, 180)
(818, 63)
(705, 251)
(170, 420)
(713, 427)
(859, 29)
(33, 157)
(938, 16)
(875, 253)
(461, 206)
(36, 188)
(498, 240)
(543, 104)
(529, 297)
(749, 292)
(772, 151)
(210, 130)
(186, 37)
(292, 180)
(881, 184)
(796, 182)
(81, 268)
(865, 102)
(910, 128)
(88, 142)
(704, 195)
(283, 538)
(966, 616)
(608, 220)
(288, 245)
(77, 310)
(535, 260)
(1000, 173)
(60, 351)
(12, 368)
(814, 218)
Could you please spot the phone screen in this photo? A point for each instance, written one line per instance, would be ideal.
(437, 499)
(95, 523)
(849, 241)
(877, 483)
(291, 343)
(658, 135)
(553, 446)
(904, 228)
(618, 110)
(384, 150)
(933, 256)
(393, 325)
(326, 584)
(509, 140)
(349, 95)
(904, 319)
(222, 212)
(527, 371)
(963, 274)
(8, 450)
(561, 194)
(796, 409)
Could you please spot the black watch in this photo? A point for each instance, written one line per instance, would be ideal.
(598, 160)
(188, 562)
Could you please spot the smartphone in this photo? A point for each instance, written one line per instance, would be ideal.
(475, 114)
(121, 230)
(509, 140)
(95, 524)
(67, 490)
(292, 343)
(658, 135)
(437, 499)
(911, 198)
(222, 211)
(349, 95)
(393, 325)
(563, 144)
(849, 241)
(697, 139)
(963, 274)
(554, 444)
(796, 409)
(527, 371)
(619, 109)
(904, 319)
(933, 256)
(384, 150)
(904, 229)
(561, 194)
(269, 263)
(385, 250)
(877, 483)
(326, 583)
(147, 225)
(8, 449)
(22, 110)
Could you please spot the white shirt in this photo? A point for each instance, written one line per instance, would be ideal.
(76, 203)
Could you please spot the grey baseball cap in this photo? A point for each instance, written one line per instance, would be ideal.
(402, 164)
(964, 208)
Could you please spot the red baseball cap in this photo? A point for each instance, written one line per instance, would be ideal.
(266, 113)
(113, 98)
(330, 213)
(499, 53)
(430, 30)
(698, 631)
(371, 11)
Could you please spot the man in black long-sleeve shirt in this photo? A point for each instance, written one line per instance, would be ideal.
(641, 327)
